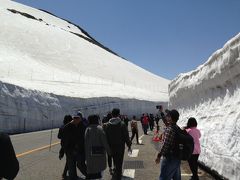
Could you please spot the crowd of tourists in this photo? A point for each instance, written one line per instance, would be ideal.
(86, 142)
(91, 144)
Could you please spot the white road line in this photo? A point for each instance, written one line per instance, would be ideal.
(141, 137)
(134, 153)
(150, 133)
(128, 174)
(140, 141)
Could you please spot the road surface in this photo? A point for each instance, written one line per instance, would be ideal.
(39, 160)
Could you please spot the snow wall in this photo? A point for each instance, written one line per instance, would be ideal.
(211, 94)
(23, 110)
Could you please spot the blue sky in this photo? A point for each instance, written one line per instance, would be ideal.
(166, 37)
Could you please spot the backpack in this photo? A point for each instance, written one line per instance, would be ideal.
(134, 124)
(114, 133)
(184, 144)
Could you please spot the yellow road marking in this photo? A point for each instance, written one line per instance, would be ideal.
(37, 149)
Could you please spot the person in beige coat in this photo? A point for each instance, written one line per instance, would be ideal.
(96, 147)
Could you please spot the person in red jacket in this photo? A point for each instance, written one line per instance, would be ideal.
(145, 122)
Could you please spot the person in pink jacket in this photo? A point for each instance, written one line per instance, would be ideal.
(195, 133)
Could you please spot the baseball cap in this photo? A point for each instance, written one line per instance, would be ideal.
(77, 114)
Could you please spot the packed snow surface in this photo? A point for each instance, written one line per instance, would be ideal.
(50, 67)
(211, 94)
(42, 52)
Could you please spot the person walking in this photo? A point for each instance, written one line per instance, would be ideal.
(151, 122)
(117, 136)
(170, 165)
(126, 120)
(134, 128)
(162, 115)
(67, 119)
(9, 165)
(109, 157)
(141, 120)
(96, 147)
(196, 134)
(157, 118)
(106, 118)
(145, 123)
(73, 144)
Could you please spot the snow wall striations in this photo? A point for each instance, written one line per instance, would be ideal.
(50, 67)
(211, 94)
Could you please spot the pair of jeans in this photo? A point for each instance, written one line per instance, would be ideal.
(117, 154)
(145, 128)
(170, 168)
(151, 125)
(194, 165)
(135, 131)
(75, 160)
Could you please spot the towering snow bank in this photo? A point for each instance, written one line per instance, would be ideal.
(40, 51)
(211, 93)
(50, 67)
(24, 110)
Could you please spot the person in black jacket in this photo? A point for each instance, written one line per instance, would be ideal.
(109, 157)
(117, 136)
(67, 119)
(151, 122)
(73, 144)
(9, 165)
(126, 120)
(107, 118)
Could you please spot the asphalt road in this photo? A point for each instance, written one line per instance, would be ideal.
(39, 161)
(30, 141)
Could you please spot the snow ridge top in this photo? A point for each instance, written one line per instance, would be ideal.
(216, 63)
